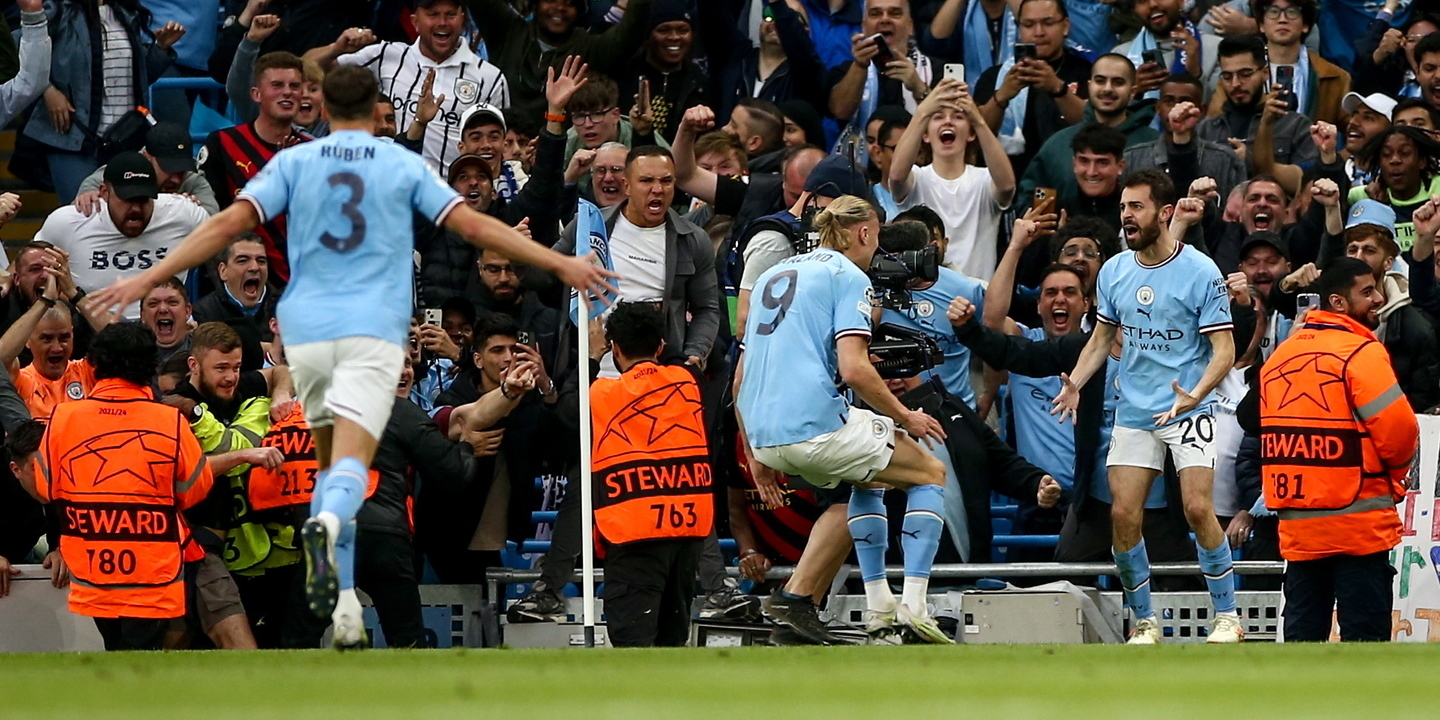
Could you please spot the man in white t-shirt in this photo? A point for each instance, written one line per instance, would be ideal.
(967, 197)
(661, 257)
(461, 78)
(138, 227)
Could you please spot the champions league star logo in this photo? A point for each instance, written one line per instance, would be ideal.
(131, 454)
(1292, 379)
(652, 416)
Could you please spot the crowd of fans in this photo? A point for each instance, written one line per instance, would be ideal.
(706, 131)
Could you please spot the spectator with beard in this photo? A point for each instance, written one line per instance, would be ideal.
(1178, 152)
(1264, 260)
(243, 299)
(525, 48)
(138, 228)
(168, 148)
(385, 123)
(501, 291)
(1243, 73)
(1111, 88)
(166, 311)
(759, 125)
(1183, 48)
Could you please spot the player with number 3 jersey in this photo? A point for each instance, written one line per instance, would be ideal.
(349, 198)
(809, 323)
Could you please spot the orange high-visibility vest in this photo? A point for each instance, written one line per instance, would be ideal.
(1337, 439)
(293, 483)
(651, 456)
(119, 468)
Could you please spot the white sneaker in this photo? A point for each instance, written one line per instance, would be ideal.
(1226, 629)
(923, 626)
(882, 627)
(1145, 632)
(348, 623)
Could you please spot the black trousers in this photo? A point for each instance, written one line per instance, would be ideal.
(648, 589)
(1086, 537)
(385, 570)
(1358, 587)
(132, 633)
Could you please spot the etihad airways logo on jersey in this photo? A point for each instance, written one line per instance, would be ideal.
(1157, 339)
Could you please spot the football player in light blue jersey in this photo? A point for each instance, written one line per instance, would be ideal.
(809, 324)
(350, 199)
(1170, 305)
(926, 313)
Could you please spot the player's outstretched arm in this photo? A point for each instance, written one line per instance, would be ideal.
(203, 243)
(486, 232)
(1092, 359)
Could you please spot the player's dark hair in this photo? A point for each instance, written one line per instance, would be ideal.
(599, 94)
(636, 329)
(1252, 45)
(766, 120)
(1053, 268)
(648, 151)
(1409, 103)
(1117, 56)
(1099, 139)
(213, 336)
(124, 350)
(923, 213)
(1309, 11)
(904, 236)
(492, 325)
(24, 439)
(350, 93)
(1102, 231)
(279, 60)
(1162, 190)
(1339, 277)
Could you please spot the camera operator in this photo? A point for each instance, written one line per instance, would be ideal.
(914, 292)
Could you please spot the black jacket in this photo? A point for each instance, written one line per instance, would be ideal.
(735, 64)
(414, 451)
(22, 518)
(983, 463)
(252, 329)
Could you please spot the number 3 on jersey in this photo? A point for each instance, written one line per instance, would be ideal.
(780, 302)
(351, 212)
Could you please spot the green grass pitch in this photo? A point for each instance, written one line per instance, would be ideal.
(1220, 683)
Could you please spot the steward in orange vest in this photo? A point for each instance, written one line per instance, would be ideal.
(1337, 441)
(119, 468)
(654, 500)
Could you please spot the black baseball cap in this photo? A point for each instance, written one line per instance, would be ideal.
(470, 160)
(837, 175)
(1265, 237)
(131, 176)
(169, 144)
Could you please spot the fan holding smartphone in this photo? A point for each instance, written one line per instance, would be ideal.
(885, 71)
(1039, 91)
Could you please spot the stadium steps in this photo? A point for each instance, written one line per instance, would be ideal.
(35, 205)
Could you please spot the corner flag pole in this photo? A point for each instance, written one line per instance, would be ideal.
(590, 236)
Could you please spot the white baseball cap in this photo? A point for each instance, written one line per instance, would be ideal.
(486, 111)
(1379, 102)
